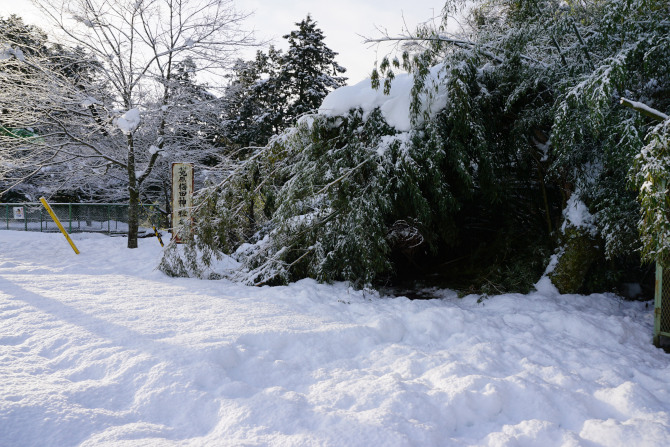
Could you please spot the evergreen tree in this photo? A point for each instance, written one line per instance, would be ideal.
(268, 94)
(254, 103)
(309, 69)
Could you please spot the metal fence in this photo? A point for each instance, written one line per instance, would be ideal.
(111, 218)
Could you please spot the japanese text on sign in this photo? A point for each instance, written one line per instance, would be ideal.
(182, 198)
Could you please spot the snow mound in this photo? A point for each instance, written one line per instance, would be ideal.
(577, 214)
(395, 106)
(100, 349)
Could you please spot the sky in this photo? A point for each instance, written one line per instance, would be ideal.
(343, 22)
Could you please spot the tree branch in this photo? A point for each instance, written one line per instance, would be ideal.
(644, 109)
(456, 42)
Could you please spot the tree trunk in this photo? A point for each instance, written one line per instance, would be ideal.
(133, 218)
(134, 197)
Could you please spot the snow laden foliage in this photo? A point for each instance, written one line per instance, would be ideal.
(309, 69)
(596, 139)
(334, 187)
(652, 177)
(469, 166)
(349, 197)
(556, 72)
(31, 67)
(254, 102)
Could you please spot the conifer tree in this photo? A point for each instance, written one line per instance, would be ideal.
(309, 69)
(268, 94)
(254, 105)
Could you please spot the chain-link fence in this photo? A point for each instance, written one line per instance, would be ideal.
(665, 303)
(111, 218)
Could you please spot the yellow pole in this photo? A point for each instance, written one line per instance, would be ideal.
(62, 230)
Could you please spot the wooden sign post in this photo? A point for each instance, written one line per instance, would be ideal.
(182, 199)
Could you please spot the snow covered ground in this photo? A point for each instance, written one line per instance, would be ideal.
(102, 349)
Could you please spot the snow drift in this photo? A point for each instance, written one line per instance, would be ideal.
(102, 349)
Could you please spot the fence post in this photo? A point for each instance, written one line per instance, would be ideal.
(7, 215)
(25, 218)
(69, 217)
(41, 230)
(109, 218)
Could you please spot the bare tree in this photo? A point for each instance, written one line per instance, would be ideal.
(123, 117)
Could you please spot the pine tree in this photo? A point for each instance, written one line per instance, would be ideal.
(309, 69)
(254, 103)
(266, 95)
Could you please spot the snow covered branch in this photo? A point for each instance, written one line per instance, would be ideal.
(460, 43)
(644, 109)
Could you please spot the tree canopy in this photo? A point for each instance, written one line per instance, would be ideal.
(141, 106)
(518, 148)
(266, 95)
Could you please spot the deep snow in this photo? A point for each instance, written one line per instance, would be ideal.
(102, 349)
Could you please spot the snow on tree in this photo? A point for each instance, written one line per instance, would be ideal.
(565, 65)
(264, 97)
(341, 194)
(309, 69)
(270, 93)
(130, 114)
(651, 176)
(254, 103)
(27, 56)
(471, 164)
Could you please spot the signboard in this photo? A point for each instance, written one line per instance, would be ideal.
(182, 198)
(18, 213)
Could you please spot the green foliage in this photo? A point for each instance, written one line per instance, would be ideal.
(559, 71)
(596, 139)
(508, 121)
(255, 103)
(309, 69)
(652, 177)
(347, 179)
(270, 93)
(579, 252)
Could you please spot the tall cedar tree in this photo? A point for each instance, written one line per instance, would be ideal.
(269, 93)
(309, 69)
(254, 103)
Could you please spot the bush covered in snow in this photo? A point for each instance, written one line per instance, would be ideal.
(468, 166)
